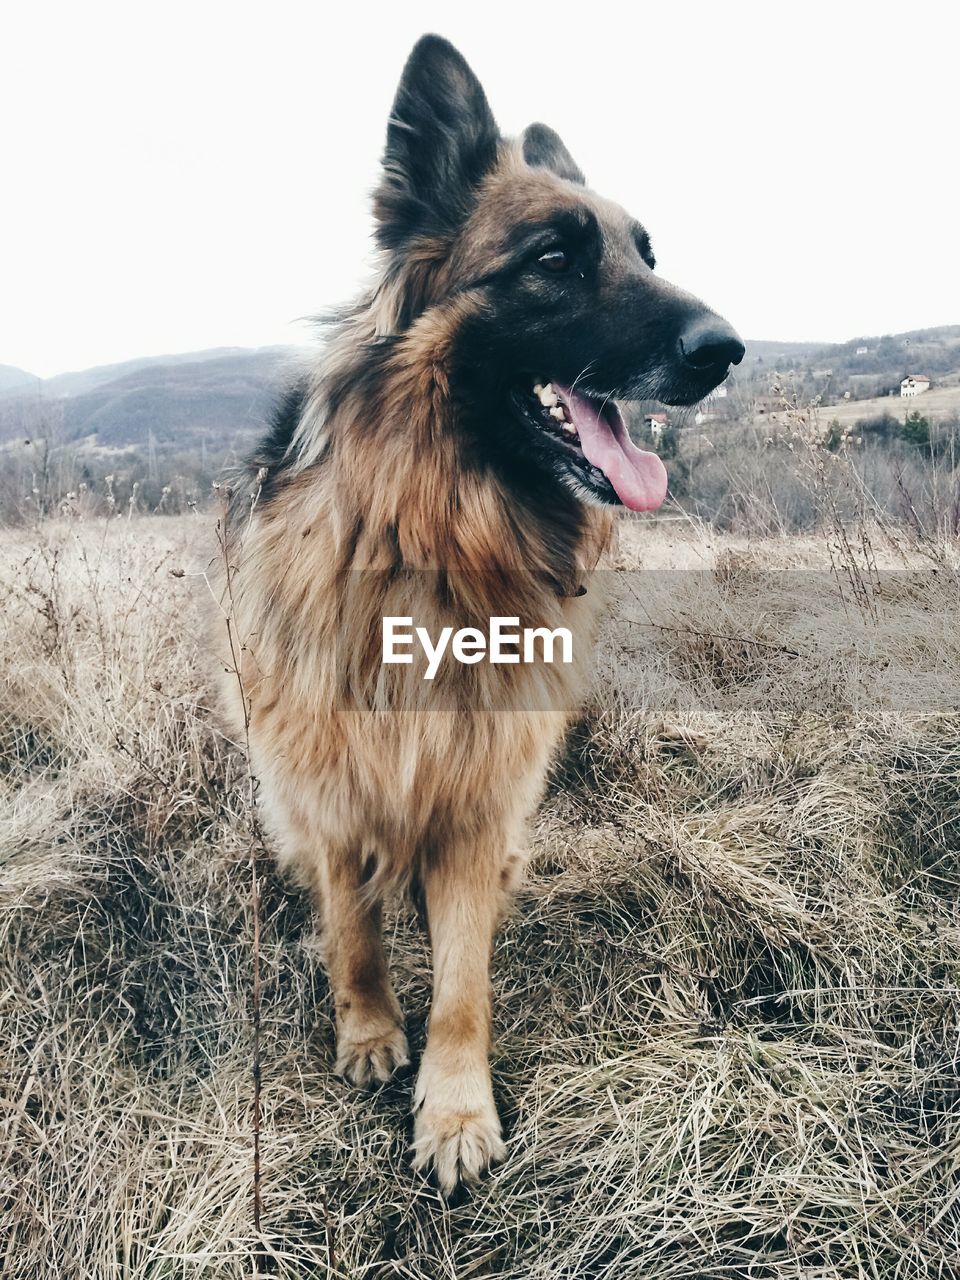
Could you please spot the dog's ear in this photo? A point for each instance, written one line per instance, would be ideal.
(544, 149)
(441, 140)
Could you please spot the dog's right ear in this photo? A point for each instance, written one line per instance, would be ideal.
(441, 140)
(543, 148)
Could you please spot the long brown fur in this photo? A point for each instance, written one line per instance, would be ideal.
(409, 480)
(369, 779)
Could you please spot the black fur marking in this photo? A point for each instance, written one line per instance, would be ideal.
(441, 140)
(575, 226)
(273, 454)
(544, 149)
(364, 379)
(273, 450)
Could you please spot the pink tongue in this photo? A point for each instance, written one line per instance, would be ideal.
(639, 478)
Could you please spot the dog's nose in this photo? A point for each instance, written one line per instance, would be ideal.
(710, 343)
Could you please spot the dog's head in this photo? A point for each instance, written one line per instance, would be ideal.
(554, 305)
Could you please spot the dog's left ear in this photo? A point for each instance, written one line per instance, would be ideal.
(441, 140)
(544, 149)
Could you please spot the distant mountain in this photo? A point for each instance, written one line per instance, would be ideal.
(220, 399)
(169, 402)
(16, 382)
(71, 384)
(778, 353)
(179, 404)
(888, 356)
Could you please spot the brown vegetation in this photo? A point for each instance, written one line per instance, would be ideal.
(726, 1028)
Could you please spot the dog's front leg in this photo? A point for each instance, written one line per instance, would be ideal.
(371, 1043)
(457, 1129)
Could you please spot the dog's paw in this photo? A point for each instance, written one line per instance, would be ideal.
(456, 1146)
(368, 1055)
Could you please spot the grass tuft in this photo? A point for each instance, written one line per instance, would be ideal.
(726, 1000)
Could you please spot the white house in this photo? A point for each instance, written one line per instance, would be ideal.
(915, 385)
(657, 422)
(862, 351)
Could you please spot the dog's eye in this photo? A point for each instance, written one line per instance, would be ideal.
(555, 260)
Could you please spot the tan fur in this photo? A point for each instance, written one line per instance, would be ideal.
(370, 780)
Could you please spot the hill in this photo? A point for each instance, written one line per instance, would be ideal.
(165, 401)
(939, 402)
(180, 401)
(761, 351)
(75, 383)
(16, 382)
(159, 432)
(864, 368)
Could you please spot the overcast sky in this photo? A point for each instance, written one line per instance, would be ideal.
(179, 176)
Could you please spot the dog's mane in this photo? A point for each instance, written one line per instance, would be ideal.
(370, 441)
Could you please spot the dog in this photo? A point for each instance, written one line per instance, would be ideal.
(457, 453)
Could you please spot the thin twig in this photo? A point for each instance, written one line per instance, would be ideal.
(715, 635)
(237, 647)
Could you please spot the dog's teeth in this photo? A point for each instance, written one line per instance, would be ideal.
(548, 397)
(569, 429)
(557, 413)
(537, 388)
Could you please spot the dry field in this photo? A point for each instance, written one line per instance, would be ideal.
(938, 402)
(726, 1002)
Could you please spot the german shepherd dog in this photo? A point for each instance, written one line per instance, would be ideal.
(456, 454)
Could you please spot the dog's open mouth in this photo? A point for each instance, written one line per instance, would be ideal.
(592, 437)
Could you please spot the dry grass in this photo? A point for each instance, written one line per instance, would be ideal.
(726, 1004)
(939, 402)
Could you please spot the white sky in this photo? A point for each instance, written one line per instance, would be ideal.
(178, 176)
